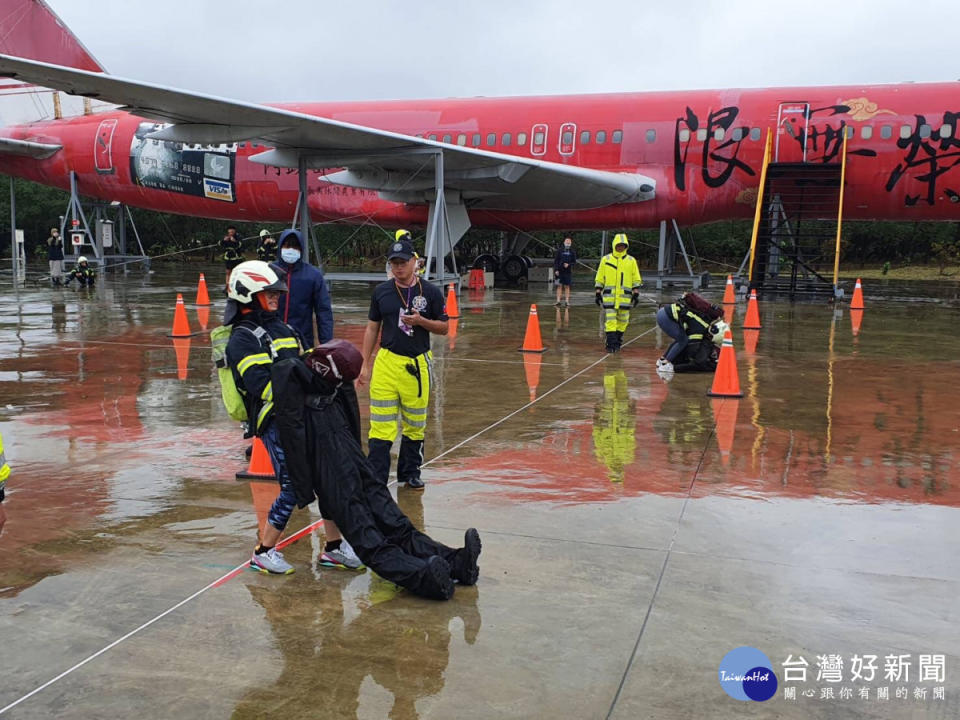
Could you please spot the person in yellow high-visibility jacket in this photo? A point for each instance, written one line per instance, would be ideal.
(618, 285)
(4, 474)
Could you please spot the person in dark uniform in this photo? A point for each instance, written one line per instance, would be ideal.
(267, 249)
(82, 273)
(404, 311)
(231, 246)
(563, 264)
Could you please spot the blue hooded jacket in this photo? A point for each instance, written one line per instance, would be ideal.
(307, 295)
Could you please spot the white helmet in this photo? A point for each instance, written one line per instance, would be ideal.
(717, 330)
(251, 277)
(81, 259)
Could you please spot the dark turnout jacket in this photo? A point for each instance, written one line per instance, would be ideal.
(307, 295)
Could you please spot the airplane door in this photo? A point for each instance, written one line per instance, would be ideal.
(103, 146)
(568, 139)
(792, 121)
(538, 139)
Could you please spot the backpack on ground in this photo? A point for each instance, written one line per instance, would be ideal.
(232, 398)
(701, 307)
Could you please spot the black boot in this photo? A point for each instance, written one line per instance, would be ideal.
(619, 340)
(409, 461)
(379, 458)
(465, 569)
(611, 342)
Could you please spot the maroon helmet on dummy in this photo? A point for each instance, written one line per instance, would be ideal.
(335, 362)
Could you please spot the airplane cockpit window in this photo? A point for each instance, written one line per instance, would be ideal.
(475, 140)
(491, 139)
(617, 137)
(584, 137)
(652, 135)
(702, 134)
(505, 140)
(905, 131)
(684, 135)
(461, 139)
(866, 132)
(754, 134)
(886, 132)
(946, 131)
(521, 139)
(601, 137)
(925, 131)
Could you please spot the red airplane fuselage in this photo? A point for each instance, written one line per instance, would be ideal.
(703, 148)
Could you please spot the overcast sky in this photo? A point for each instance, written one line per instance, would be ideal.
(316, 50)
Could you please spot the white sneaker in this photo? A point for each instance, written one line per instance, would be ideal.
(271, 562)
(343, 557)
(665, 365)
(665, 375)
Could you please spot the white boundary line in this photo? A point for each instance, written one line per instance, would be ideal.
(293, 538)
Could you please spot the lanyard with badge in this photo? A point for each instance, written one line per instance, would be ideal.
(408, 305)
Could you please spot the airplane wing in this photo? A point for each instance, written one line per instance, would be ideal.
(399, 167)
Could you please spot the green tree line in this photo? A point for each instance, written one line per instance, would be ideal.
(717, 247)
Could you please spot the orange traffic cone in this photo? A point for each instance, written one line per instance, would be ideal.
(729, 298)
(532, 341)
(453, 311)
(728, 314)
(202, 297)
(531, 368)
(726, 381)
(203, 317)
(181, 328)
(260, 465)
(856, 318)
(857, 302)
(264, 493)
(182, 348)
(725, 414)
(452, 333)
(752, 321)
(750, 338)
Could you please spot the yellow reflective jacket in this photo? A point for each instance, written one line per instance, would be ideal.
(4, 468)
(618, 276)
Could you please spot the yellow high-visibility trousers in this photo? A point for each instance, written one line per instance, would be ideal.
(616, 319)
(399, 390)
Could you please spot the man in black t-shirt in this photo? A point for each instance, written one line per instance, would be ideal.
(403, 313)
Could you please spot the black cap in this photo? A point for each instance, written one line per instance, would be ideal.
(402, 249)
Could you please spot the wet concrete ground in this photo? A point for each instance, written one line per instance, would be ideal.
(634, 531)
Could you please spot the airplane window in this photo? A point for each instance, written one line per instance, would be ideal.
(567, 138)
(718, 134)
(684, 135)
(447, 138)
(652, 135)
(849, 132)
(924, 131)
(585, 137)
(461, 139)
(702, 134)
(491, 139)
(419, 135)
(521, 139)
(905, 131)
(433, 137)
(243, 144)
(505, 140)
(866, 132)
(738, 134)
(886, 132)
(475, 140)
(946, 131)
(538, 138)
(617, 136)
(601, 137)
(253, 145)
(754, 133)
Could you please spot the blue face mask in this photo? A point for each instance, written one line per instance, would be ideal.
(290, 255)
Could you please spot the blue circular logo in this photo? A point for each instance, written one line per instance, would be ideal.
(747, 674)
